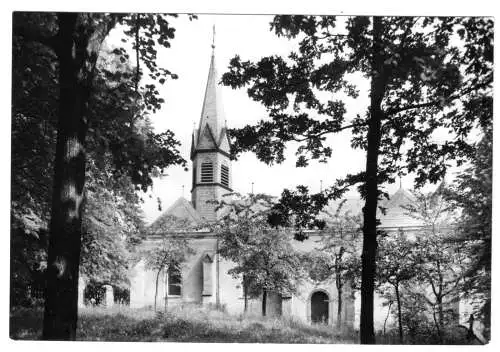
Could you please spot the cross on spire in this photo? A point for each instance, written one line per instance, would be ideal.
(213, 38)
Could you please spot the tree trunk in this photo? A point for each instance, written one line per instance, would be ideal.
(60, 316)
(440, 314)
(245, 295)
(156, 287)
(264, 302)
(367, 333)
(387, 316)
(339, 305)
(166, 300)
(436, 323)
(400, 322)
(77, 54)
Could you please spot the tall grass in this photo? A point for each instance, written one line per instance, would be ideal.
(180, 324)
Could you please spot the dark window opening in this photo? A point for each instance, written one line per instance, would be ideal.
(319, 307)
(207, 172)
(174, 281)
(121, 295)
(224, 175)
(194, 176)
(94, 294)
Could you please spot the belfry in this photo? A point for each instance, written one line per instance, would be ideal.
(210, 151)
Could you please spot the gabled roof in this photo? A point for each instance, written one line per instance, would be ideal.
(395, 214)
(206, 139)
(178, 216)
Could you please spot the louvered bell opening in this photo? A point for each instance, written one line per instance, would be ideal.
(224, 175)
(207, 172)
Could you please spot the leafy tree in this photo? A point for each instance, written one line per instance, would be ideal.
(70, 43)
(396, 266)
(440, 261)
(472, 193)
(262, 254)
(338, 254)
(112, 223)
(167, 257)
(32, 133)
(426, 74)
(415, 317)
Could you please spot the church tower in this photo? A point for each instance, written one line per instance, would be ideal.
(210, 151)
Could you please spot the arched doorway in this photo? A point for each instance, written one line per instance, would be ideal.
(319, 307)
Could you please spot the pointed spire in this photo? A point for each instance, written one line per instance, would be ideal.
(213, 39)
(212, 113)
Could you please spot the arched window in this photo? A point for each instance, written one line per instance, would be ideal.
(224, 175)
(320, 307)
(207, 172)
(174, 281)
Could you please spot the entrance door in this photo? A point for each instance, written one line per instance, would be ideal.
(319, 307)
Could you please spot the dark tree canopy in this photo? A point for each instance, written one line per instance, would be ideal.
(426, 74)
(90, 124)
(437, 72)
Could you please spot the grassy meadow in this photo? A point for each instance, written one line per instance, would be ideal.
(186, 324)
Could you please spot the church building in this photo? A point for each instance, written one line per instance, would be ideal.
(203, 278)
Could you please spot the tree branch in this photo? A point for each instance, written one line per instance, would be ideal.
(441, 101)
(336, 130)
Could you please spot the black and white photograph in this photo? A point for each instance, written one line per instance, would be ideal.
(225, 177)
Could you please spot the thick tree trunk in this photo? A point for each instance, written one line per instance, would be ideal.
(400, 322)
(77, 52)
(367, 333)
(264, 302)
(60, 317)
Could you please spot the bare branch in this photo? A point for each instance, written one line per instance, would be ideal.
(308, 136)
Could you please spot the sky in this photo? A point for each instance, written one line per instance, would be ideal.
(248, 36)
(189, 57)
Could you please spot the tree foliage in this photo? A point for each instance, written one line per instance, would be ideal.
(168, 256)
(262, 254)
(338, 256)
(396, 267)
(99, 113)
(472, 193)
(426, 74)
(425, 267)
